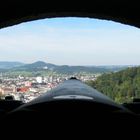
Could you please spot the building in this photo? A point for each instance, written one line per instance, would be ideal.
(39, 79)
(7, 90)
(23, 89)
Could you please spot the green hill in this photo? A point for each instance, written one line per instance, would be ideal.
(60, 69)
(121, 86)
(9, 65)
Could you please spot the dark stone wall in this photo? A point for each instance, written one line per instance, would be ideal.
(16, 11)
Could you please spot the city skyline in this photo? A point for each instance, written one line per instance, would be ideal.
(71, 41)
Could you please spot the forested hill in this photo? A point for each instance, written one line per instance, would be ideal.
(120, 86)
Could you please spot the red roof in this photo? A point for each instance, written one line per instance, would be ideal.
(23, 89)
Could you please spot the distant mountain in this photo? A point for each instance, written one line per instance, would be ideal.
(64, 69)
(77, 69)
(39, 65)
(9, 65)
(116, 68)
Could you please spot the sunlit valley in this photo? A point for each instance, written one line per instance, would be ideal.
(38, 56)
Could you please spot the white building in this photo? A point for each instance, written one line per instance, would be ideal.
(39, 79)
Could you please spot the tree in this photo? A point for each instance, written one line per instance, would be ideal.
(120, 86)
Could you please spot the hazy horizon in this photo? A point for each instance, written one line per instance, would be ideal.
(71, 41)
(63, 64)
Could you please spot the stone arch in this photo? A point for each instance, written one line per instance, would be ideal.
(15, 12)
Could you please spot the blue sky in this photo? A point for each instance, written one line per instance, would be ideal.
(72, 41)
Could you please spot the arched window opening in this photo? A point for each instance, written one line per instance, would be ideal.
(37, 56)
